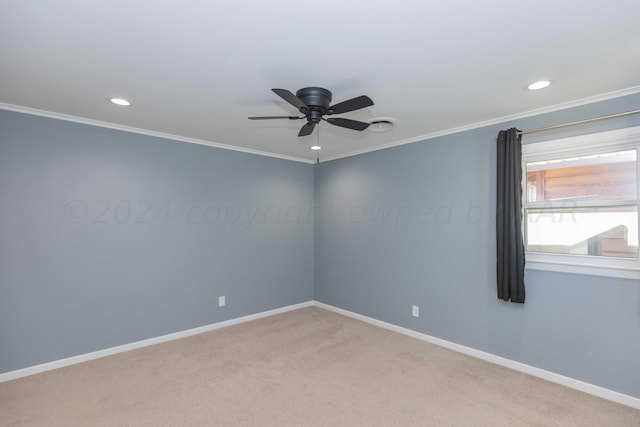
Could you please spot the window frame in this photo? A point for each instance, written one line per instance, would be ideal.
(595, 143)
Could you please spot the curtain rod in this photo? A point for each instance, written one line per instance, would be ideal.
(626, 113)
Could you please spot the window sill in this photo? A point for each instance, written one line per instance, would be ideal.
(591, 270)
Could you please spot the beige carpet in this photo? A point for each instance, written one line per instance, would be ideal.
(309, 367)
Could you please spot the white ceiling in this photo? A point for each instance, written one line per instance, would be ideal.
(196, 69)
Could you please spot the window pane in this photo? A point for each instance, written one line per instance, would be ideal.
(609, 231)
(610, 176)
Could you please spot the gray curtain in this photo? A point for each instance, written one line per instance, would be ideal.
(510, 244)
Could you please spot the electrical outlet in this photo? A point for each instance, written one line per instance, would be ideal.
(222, 301)
(415, 311)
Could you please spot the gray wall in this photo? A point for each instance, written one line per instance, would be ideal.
(109, 237)
(415, 225)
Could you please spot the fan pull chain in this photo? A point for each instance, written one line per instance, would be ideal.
(318, 143)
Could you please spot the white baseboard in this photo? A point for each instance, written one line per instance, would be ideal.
(12, 375)
(595, 390)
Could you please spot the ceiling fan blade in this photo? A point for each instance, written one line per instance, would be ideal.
(348, 123)
(351, 105)
(292, 99)
(275, 117)
(306, 129)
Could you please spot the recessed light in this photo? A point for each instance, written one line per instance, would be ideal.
(120, 101)
(315, 147)
(541, 84)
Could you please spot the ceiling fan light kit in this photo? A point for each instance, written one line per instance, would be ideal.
(314, 103)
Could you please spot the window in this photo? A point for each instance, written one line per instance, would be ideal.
(581, 204)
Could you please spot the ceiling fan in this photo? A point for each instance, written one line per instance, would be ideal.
(315, 103)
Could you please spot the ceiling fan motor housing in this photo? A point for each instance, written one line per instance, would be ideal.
(317, 99)
(315, 103)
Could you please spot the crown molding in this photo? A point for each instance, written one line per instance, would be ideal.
(558, 107)
(147, 132)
